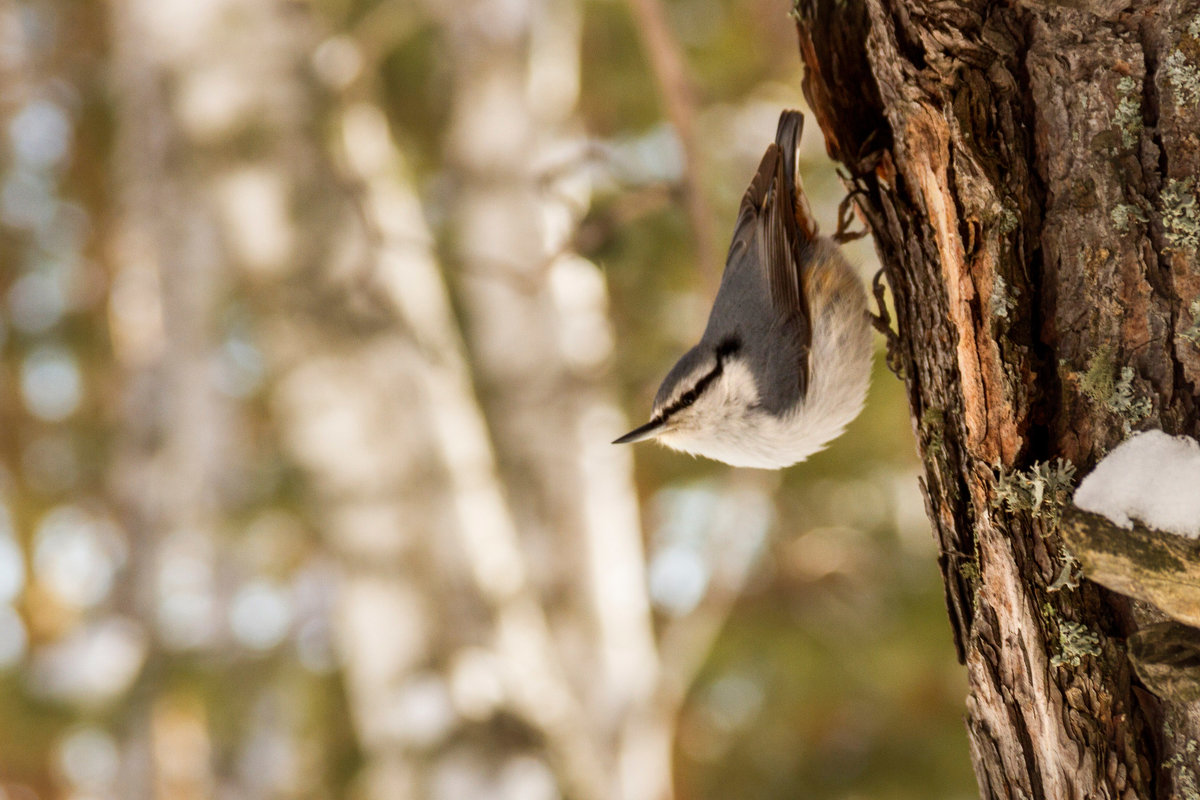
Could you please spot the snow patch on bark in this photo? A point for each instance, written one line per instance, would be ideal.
(1151, 477)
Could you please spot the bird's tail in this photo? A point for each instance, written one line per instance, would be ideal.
(754, 201)
(787, 136)
(787, 139)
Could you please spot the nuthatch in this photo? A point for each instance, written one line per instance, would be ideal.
(785, 360)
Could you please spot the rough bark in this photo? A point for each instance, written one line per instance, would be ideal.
(1028, 173)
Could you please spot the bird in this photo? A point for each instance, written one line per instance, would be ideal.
(784, 362)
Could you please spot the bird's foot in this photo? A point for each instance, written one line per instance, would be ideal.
(882, 322)
(846, 218)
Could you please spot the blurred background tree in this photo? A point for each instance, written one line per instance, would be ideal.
(316, 323)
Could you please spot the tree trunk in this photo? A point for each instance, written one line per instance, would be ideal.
(1028, 173)
(174, 441)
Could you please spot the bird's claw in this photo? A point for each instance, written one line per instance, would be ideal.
(882, 322)
(846, 218)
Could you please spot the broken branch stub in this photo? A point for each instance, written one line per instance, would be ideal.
(1157, 567)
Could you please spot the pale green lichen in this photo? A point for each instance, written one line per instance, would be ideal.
(1042, 489)
(1130, 409)
(1075, 641)
(1128, 116)
(1123, 215)
(1184, 77)
(1103, 386)
(1008, 221)
(1070, 574)
(1192, 334)
(1181, 213)
(1097, 383)
(933, 422)
(969, 569)
(1183, 768)
(1003, 301)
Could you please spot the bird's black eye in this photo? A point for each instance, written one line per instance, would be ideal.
(693, 394)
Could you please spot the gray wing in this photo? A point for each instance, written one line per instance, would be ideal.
(767, 225)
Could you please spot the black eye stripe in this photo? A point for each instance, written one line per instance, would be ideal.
(691, 395)
(726, 348)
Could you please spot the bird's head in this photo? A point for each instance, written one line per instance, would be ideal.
(701, 402)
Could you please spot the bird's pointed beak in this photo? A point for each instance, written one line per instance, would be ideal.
(648, 431)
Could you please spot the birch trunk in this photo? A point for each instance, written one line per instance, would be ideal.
(483, 604)
(168, 276)
(493, 620)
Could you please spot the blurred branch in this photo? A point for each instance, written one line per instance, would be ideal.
(518, 201)
(592, 234)
(670, 74)
(627, 209)
(171, 442)
(407, 275)
(602, 725)
(383, 27)
(686, 642)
